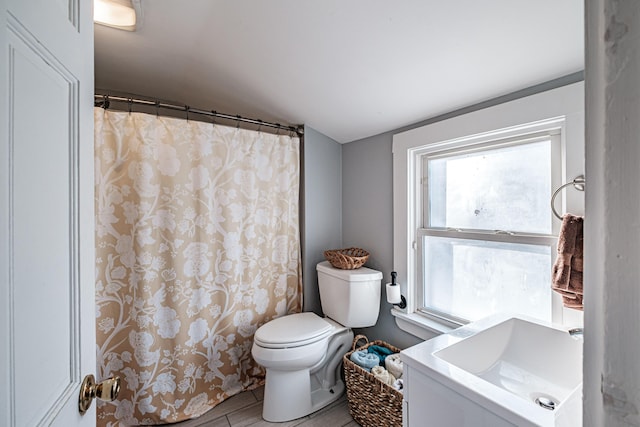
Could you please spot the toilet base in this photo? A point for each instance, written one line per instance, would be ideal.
(322, 397)
(295, 394)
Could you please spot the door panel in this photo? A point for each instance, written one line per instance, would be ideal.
(47, 262)
(42, 209)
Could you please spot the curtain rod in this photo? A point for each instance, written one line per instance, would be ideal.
(104, 100)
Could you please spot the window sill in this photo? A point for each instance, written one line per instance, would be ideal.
(419, 326)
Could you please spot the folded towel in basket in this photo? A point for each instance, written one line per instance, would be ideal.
(365, 359)
(394, 364)
(399, 385)
(383, 375)
(380, 351)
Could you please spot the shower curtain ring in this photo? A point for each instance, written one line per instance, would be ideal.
(186, 109)
(259, 125)
(214, 114)
(157, 108)
(238, 121)
(129, 104)
(279, 127)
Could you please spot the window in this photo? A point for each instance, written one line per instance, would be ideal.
(485, 242)
(473, 231)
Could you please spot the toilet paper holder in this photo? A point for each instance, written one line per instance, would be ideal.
(394, 296)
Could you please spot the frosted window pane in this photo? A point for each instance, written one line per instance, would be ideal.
(496, 189)
(472, 279)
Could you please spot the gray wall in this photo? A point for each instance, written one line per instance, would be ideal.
(322, 208)
(367, 218)
(367, 198)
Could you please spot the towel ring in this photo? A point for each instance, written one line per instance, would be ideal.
(578, 183)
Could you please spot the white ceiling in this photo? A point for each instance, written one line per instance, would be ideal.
(347, 68)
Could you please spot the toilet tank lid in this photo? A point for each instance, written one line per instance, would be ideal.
(361, 274)
(293, 328)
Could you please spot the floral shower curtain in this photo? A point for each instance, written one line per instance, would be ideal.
(198, 245)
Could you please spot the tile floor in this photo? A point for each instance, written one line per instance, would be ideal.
(245, 409)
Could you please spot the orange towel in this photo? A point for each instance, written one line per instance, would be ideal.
(567, 270)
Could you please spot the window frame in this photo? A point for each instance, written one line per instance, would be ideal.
(473, 145)
(563, 106)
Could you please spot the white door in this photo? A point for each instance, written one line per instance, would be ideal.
(46, 211)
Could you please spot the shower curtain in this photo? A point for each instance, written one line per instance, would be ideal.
(198, 245)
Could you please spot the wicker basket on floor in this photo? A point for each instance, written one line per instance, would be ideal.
(347, 259)
(371, 402)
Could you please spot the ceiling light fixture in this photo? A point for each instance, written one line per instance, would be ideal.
(119, 14)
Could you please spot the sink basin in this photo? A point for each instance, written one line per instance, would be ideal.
(524, 358)
(524, 371)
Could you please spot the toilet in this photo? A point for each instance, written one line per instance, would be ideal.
(302, 352)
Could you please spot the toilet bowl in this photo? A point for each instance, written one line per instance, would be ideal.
(302, 353)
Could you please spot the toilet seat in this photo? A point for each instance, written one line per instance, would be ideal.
(294, 330)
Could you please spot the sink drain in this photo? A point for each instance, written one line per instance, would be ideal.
(546, 403)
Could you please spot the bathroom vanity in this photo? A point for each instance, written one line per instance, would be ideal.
(497, 372)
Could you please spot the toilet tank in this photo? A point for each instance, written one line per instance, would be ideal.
(350, 297)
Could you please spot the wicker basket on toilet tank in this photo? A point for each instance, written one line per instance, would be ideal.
(372, 403)
(347, 259)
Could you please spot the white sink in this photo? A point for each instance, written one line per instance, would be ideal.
(525, 358)
(518, 368)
